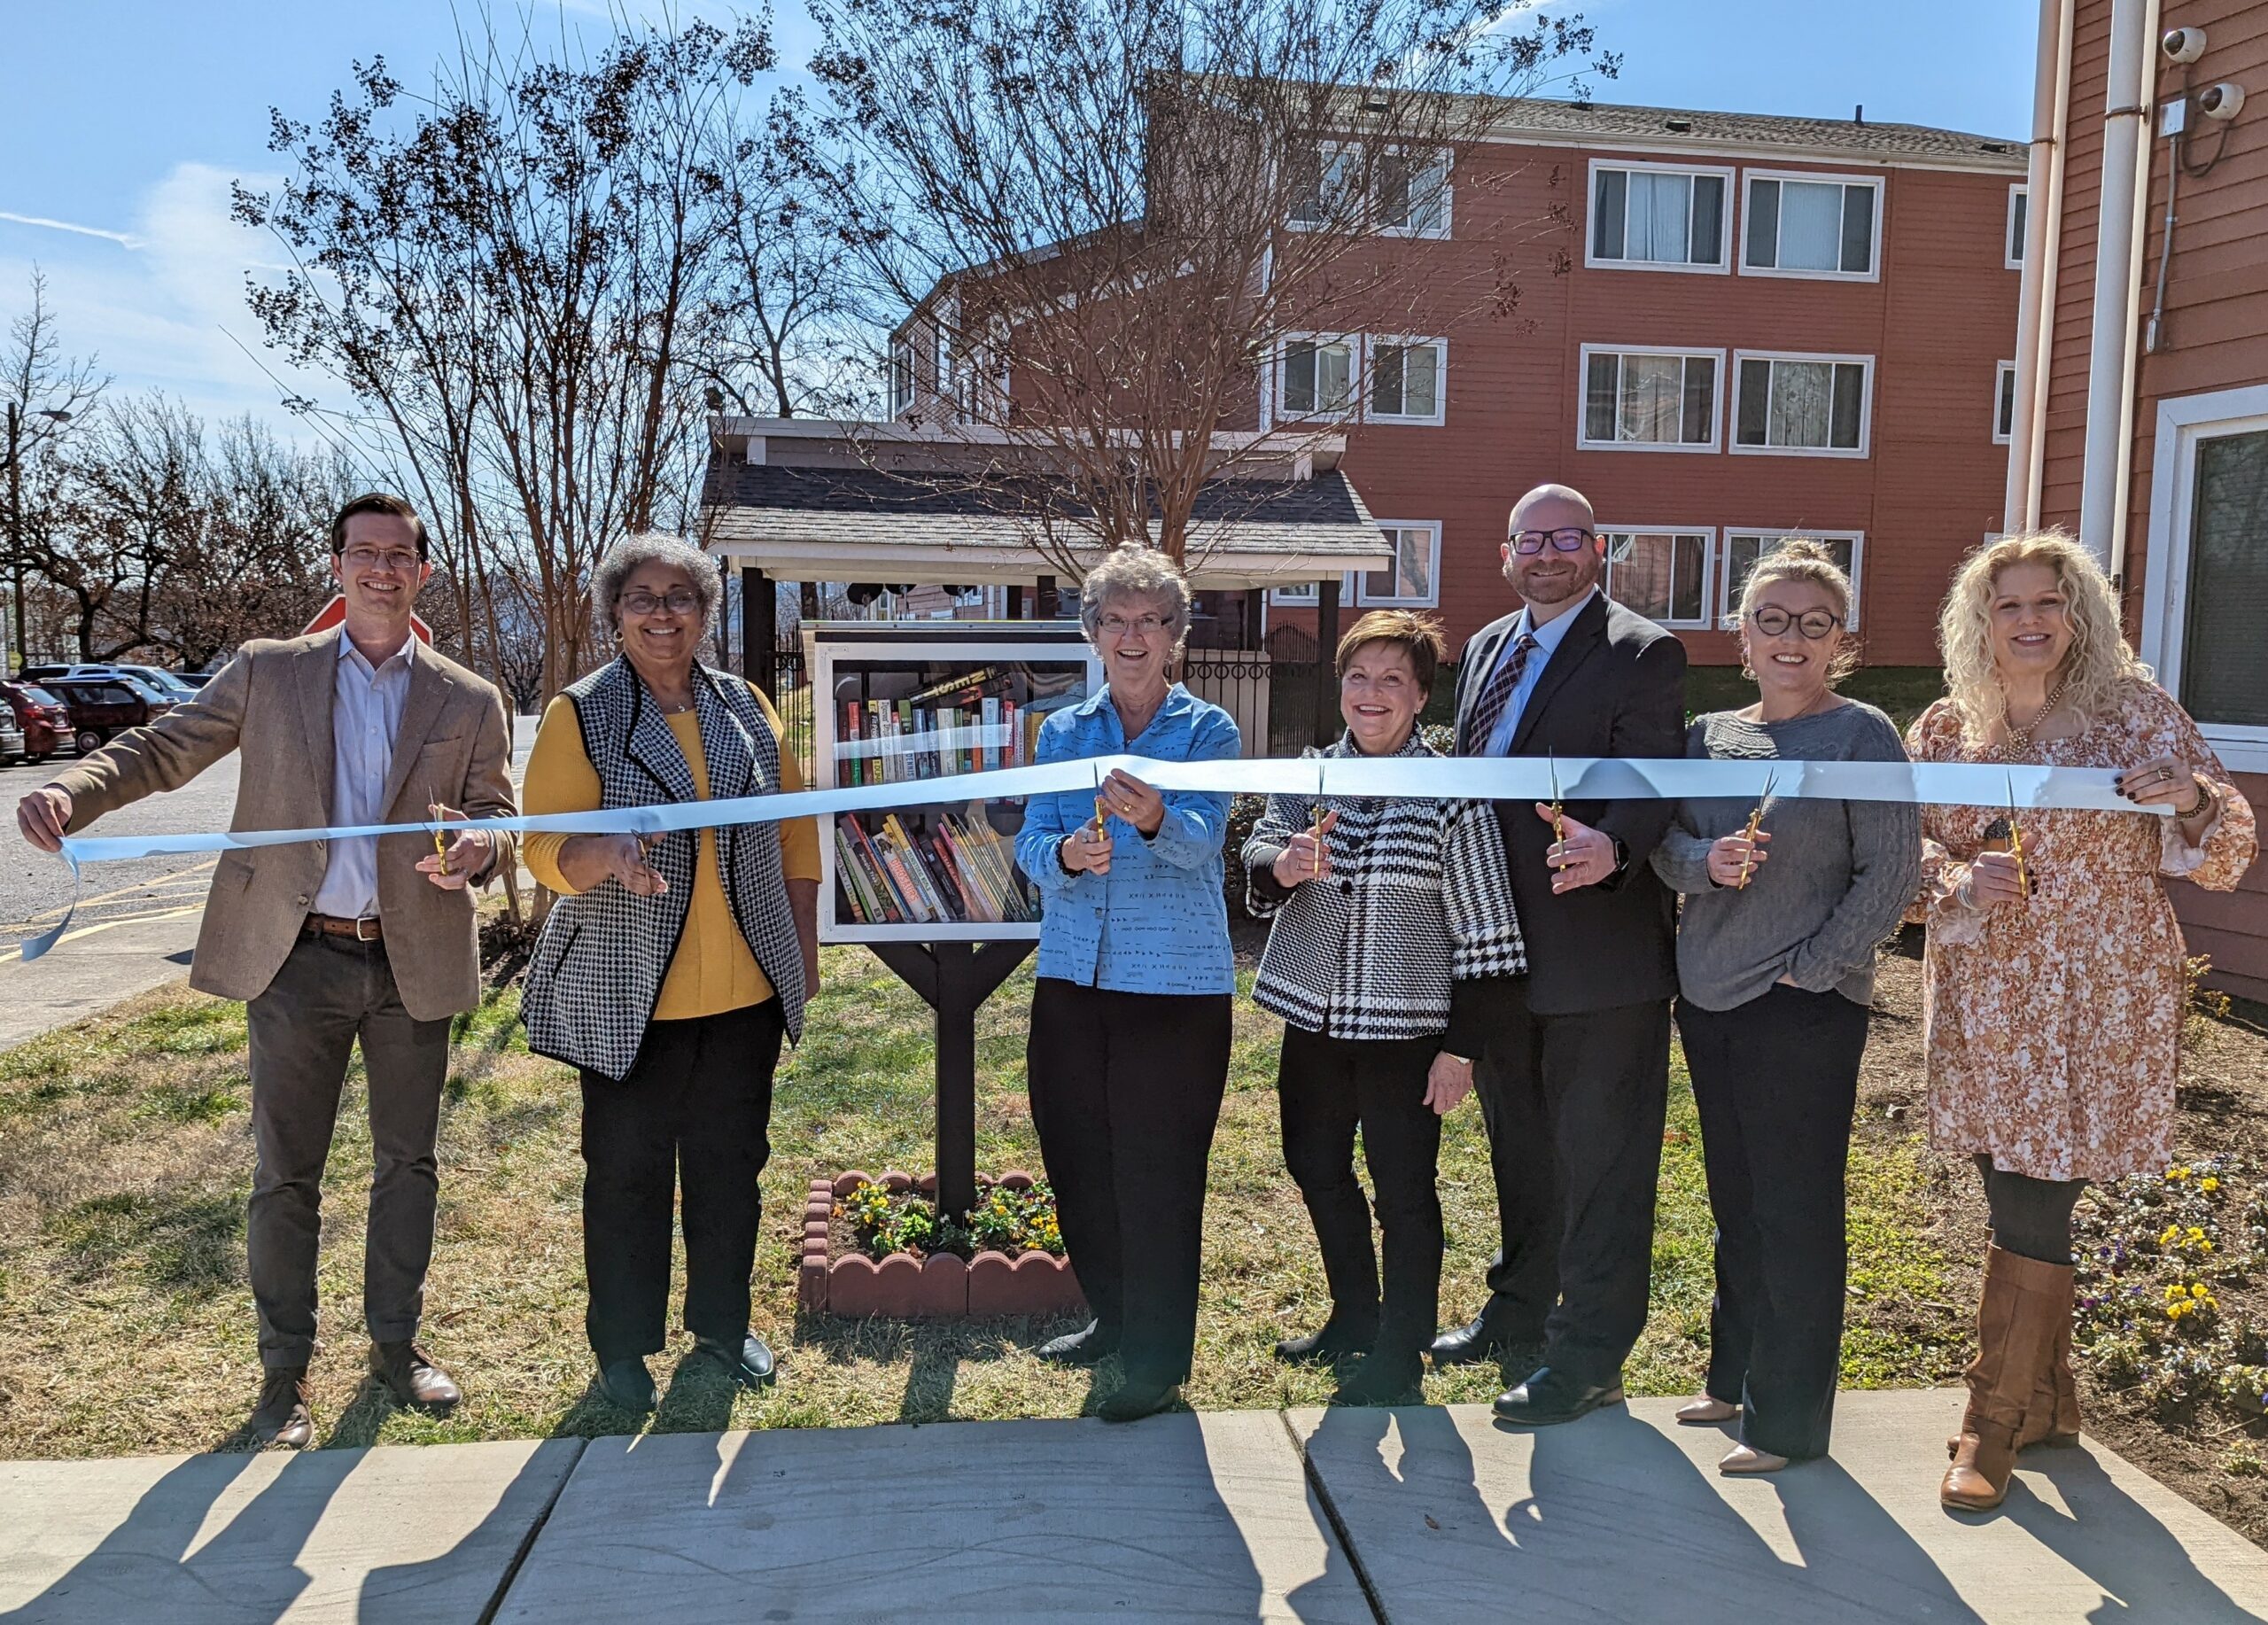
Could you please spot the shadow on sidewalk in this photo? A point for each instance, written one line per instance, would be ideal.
(2117, 1543)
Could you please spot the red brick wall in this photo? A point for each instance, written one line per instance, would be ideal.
(1940, 316)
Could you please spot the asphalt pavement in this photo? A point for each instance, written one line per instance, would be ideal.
(135, 921)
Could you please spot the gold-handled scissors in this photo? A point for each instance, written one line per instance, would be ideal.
(1559, 814)
(1100, 813)
(1755, 818)
(1316, 810)
(440, 841)
(2015, 841)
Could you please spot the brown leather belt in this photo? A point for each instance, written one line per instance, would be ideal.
(364, 929)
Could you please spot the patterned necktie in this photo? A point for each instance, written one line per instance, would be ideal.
(1496, 693)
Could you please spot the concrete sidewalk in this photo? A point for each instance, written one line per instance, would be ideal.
(1342, 1516)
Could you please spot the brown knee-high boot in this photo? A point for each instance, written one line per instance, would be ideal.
(2052, 1417)
(2024, 1301)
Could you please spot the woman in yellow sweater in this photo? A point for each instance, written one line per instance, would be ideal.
(672, 966)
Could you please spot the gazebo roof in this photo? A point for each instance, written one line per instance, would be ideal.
(826, 521)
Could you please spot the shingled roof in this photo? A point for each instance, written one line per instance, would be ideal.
(1695, 127)
(951, 526)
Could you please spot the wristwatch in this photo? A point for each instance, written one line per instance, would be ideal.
(1621, 854)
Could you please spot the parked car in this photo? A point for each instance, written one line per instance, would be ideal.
(44, 719)
(167, 683)
(11, 737)
(103, 706)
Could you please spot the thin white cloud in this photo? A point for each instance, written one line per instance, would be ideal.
(124, 239)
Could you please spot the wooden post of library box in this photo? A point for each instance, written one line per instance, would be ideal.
(933, 888)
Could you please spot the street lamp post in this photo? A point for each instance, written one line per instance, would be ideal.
(16, 509)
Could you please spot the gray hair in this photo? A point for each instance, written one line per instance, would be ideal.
(1136, 571)
(651, 548)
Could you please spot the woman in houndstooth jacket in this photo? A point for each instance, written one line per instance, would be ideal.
(1380, 906)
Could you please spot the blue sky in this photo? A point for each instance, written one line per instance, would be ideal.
(123, 122)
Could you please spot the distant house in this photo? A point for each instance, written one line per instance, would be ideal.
(1765, 326)
(2140, 377)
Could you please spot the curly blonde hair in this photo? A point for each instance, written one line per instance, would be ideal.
(1799, 558)
(2098, 663)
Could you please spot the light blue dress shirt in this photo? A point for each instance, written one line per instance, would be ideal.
(366, 704)
(1547, 638)
(1159, 922)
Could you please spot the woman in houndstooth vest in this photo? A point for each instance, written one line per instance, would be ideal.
(673, 967)
(1380, 905)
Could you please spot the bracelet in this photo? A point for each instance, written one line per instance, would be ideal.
(2204, 799)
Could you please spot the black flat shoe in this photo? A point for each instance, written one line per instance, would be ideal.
(1482, 1339)
(749, 1365)
(1085, 1347)
(1382, 1380)
(1138, 1397)
(1550, 1397)
(627, 1384)
(1337, 1338)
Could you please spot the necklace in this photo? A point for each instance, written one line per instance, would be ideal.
(2018, 744)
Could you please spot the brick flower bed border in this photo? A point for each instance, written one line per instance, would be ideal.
(939, 1287)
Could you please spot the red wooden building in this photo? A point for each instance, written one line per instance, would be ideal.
(2142, 420)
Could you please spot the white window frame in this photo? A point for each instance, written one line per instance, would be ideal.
(1865, 447)
(2183, 423)
(1709, 552)
(1729, 612)
(899, 381)
(1362, 598)
(1724, 266)
(1448, 195)
(2011, 238)
(1284, 411)
(1717, 398)
(1361, 362)
(2004, 385)
(1326, 151)
(1309, 594)
(1873, 273)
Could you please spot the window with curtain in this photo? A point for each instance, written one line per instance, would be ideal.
(1662, 575)
(1320, 171)
(1824, 227)
(1650, 217)
(1742, 550)
(1405, 380)
(2224, 655)
(1413, 193)
(1318, 376)
(1639, 399)
(1799, 405)
(1416, 555)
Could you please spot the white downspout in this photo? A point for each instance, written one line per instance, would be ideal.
(2115, 275)
(2122, 507)
(2051, 101)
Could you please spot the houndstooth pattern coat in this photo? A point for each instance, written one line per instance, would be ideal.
(1418, 898)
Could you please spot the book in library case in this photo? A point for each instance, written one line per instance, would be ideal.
(904, 703)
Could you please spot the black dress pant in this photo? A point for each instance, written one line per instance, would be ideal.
(696, 1111)
(1775, 1080)
(1574, 1106)
(1327, 1088)
(1125, 1090)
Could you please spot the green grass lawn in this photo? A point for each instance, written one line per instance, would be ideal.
(125, 1161)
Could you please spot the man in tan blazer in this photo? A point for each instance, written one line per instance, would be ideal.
(372, 939)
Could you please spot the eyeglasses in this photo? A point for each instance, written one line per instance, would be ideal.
(1572, 539)
(676, 601)
(399, 560)
(1141, 626)
(1771, 620)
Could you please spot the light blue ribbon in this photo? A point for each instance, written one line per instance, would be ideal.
(2032, 788)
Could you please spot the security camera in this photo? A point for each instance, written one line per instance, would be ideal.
(2183, 45)
(2221, 101)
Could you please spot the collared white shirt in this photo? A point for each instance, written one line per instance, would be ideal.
(366, 705)
(1547, 638)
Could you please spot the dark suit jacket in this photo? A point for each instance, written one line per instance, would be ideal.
(1615, 687)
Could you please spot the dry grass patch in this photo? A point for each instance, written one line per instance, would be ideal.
(125, 1160)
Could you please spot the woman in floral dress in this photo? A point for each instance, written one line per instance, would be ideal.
(2055, 984)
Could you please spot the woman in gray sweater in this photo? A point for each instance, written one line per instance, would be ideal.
(1775, 950)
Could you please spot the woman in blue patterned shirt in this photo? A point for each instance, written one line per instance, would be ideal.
(1129, 1051)
(1380, 905)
